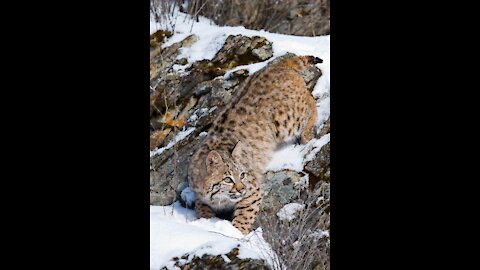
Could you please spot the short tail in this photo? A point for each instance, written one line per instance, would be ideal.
(300, 63)
(314, 60)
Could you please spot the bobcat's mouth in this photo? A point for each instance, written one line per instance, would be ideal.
(235, 197)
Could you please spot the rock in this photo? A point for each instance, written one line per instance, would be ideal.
(161, 193)
(157, 137)
(244, 50)
(319, 167)
(161, 60)
(279, 189)
(311, 76)
(237, 50)
(306, 18)
(181, 61)
(325, 128)
(168, 174)
(170, 89)
(157, 38)
(217, 262)
(294, 17)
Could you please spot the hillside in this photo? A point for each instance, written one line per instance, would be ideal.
(195, 68)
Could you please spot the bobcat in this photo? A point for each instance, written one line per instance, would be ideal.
(271, 107)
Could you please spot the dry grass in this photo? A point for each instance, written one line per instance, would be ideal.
(163, 12)
(297, 17)
(301, 243)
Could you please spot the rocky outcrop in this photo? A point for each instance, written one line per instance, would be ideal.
(228, 261)
(191, 100)
(319, 167)
(161, 60)
(237, 50)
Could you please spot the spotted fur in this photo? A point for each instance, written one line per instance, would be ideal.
(271, 107)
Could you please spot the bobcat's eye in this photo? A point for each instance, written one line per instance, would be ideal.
(242, 175)
(228, 180)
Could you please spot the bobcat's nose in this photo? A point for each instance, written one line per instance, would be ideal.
(240, 187)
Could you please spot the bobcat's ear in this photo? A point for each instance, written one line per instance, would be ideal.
(213, 159)
(237, 151)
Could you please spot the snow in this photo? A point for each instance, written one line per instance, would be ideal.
(302, 182)
(183, 134)
(193, 117)
(289, 211)
(287, 158)
(174, 232)
(180, 136)
(225, 258)
(188, 196)
(179, 68)
(320, 234)
(294, 157)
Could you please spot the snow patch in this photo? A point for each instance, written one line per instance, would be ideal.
(293, 157)
(180, 136)
(289, 211)
(193, 118)
(320, 234)
(225, 258)
(316, 146)
(180, 68)
(287, 158)
(174, 232)
(252, 68)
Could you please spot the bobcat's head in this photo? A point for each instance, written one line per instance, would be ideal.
(226, 177)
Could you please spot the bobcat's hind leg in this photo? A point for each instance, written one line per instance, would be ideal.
(309, 131)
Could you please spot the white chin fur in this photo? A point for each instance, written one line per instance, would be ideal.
(225, 199)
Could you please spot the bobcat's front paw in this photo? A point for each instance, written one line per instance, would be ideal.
(242, 225)
(203, 211)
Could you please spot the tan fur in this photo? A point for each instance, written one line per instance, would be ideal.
(273, 106)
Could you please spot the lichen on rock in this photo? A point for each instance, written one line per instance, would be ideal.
(229, 261)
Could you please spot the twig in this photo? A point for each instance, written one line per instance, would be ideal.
(226, 235)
